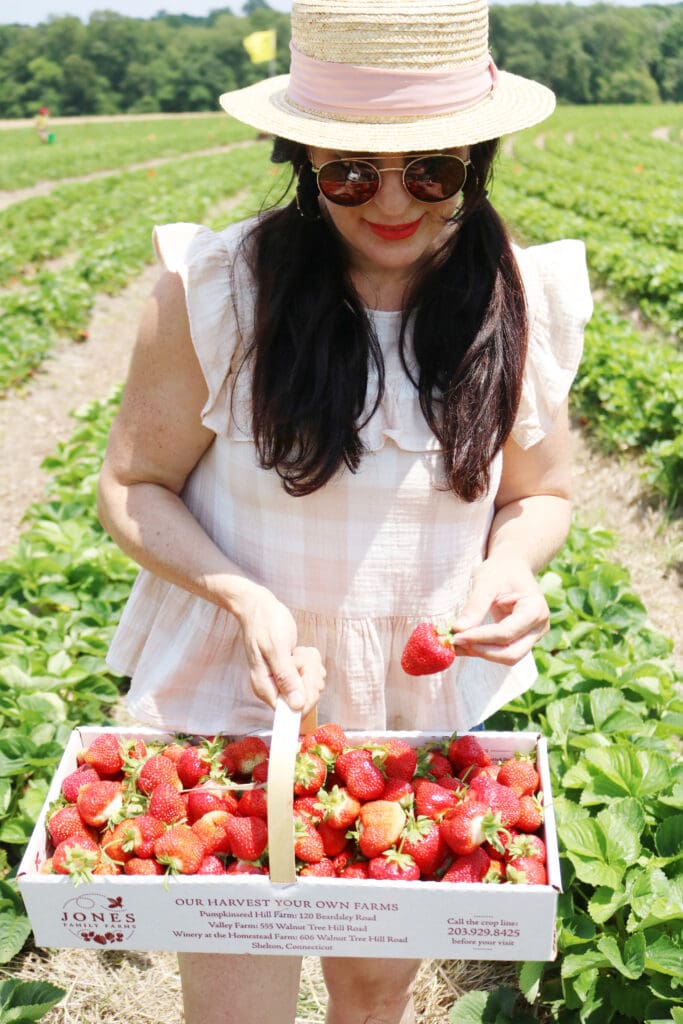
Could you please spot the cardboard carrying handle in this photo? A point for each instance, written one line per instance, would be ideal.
(284, 745)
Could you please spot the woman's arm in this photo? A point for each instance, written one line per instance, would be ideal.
(533, 512)
(155, 441)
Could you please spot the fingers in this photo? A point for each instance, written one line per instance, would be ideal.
(312, 673)
(519, 621)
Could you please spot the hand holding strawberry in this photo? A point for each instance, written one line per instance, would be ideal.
(429, 649)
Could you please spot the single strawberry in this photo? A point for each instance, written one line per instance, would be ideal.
(469, 867)
(74, 780)
(327, 741)
(337, 807)
(260, 772)
(495, 873)
(211, 865)
(98, 802)
(174, 751)
(400, 790)
(248, 837)
(245, 867)
(503, 840)
(155, 770)
(77, 856)
(308, 845)
(192, 766)
(66, 822)
(167, 804)
(393, 866)
(141, 833)
(358, 869)
(530, 816)
(323, 868)
(519, 773)
(362, 777)
(468, 825)
(422, 839)
(310, 807)
(210, 796)
(180, 850)
(112, 842)
(432, 799)
(241, 756)
(212, 829)
(428, 650)
(398, 759)
(380, 824)
(105, 754)
(310, 772)
(334, 840)
(107, 867)
(465, 751)
(253, 804)
(142, 866)
(526, 871)
(498, 798)
(524, 845)
(433, 764)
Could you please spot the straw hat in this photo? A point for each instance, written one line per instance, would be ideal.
(390, 76)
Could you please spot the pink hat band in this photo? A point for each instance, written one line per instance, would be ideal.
(357, 90)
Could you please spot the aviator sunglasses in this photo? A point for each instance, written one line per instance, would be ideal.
(429, 179)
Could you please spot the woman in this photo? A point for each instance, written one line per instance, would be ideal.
(343, 417)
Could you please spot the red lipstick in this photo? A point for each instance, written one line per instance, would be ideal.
(394, 232)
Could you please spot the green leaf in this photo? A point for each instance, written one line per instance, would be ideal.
(574, 963)
(669, 837)
(14, 924)
(622, 837)
(470, 1009)
(605, 902)
(529, 974)
(48, 706)
(664, 956)
(629, 961)
(596, 872)
(27, 1000)
(58, 663)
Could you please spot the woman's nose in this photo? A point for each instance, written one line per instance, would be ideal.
(392, 197)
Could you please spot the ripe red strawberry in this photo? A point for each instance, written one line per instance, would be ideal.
(358, 869)
(309, 807)
(433, 800)
(504, 838)
(530, 816)
(248, 837)
(380, 824)
(428, 650)
(212, 829)
(260, 772)
(524, 845)
(400, 790)
(66, 822)
(433, 764)
(464, 751)
(167, 804)
(363, 778)
(105, 754)
(338, 807)
(142, 866)
(211, 865)
(499, 798)
(394, 867)
(526, 871)
(310, 772)
(192, 766)
(496, 870)
(469, 825)
(253, 803)
(112, 842)
(398, 759)
(422, 839)
(469, 867)
(77, 856)
(155, 770)
(174, 751)
(73, 782)
(241, 756)
(141, 833)
(326, 741)
(519, 773)
(180, 849)
(210, 796)
(107, 867)
(333, 839)
(245, 867)
(321, 869)
(98, 802)
(308, 844)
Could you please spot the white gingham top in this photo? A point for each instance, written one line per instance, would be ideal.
(360, 561)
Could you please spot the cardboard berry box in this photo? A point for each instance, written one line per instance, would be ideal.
(290, 915)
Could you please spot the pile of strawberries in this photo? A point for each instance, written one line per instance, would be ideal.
(381, 811)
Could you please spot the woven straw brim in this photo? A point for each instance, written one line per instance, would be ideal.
(514, 104)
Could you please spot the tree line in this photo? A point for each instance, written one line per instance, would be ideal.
(174, 63)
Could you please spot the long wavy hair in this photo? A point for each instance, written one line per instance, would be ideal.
(314, 349)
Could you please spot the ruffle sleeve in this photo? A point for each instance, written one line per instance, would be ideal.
(559, 304)
(209, 269)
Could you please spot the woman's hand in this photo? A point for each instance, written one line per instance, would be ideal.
(277, 665)
(507, 593)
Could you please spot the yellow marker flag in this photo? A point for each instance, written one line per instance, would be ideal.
(260, 46)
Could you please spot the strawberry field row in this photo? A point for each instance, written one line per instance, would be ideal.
(114, 246)
(85, 148)
(606, 697)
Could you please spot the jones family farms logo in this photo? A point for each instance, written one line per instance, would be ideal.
(98, 918)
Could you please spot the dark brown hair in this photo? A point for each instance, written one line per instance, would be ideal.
(314, 348)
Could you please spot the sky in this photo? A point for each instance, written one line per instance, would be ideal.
(31, 12)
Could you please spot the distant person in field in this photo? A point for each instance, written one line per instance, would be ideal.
(43, 124)
(345, 416)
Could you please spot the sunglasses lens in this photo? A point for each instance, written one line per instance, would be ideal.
(348, 182)
(432, 179)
